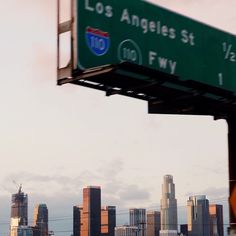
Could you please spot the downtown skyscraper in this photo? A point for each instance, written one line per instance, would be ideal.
(108, 220)
(198, 216)
(19, 212)
(19, 208)
(137, 217)
(153, 223)
(77, 215)
(216, 220)
(41, 219)
(169, 219)
(91, 217)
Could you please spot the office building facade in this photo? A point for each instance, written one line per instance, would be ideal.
(153, 223)
(77, 217)
(137, 217)
(41, 219)
(198, 216)
(216, 220)
(19, 208)
(108, 220)
(91, 217)
(19, 212)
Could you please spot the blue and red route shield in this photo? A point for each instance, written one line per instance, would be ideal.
(97, 40)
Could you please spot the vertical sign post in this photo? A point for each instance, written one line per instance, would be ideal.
(232, 172)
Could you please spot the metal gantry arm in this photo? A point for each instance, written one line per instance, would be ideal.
(62, 28)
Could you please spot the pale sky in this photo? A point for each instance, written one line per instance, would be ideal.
(55, 140)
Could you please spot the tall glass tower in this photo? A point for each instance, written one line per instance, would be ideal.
(168, 207)
(198, 216)
(137, 217)
(41, 219)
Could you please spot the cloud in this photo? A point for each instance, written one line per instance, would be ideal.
(117, 190)
(112, 168)
(132, 193)
(43, 184)
(66, 190)
(217, 168)
(217, 194)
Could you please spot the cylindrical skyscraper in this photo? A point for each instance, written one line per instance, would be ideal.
(168, 207)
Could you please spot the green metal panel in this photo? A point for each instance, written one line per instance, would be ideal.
(112, 31)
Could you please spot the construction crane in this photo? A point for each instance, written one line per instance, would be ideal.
(18, 185)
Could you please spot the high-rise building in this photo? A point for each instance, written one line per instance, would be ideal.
(153, 223)
(126, 230)
(198, 216)
(137, 217)
(184, 230)
(216, 220)
(77, 217)
(108, 220)
(91, 218)
(19, 207)
(169, 220)
(19, 211)
(41, 219)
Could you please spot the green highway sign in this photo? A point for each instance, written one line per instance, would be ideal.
(113, 31)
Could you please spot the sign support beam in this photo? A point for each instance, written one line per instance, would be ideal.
(232, 172)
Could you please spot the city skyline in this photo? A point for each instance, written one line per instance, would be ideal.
(63, 138)
(102, 219)
(19, 217)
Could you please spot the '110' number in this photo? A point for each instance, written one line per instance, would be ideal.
(97, 43)
(129, 54)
